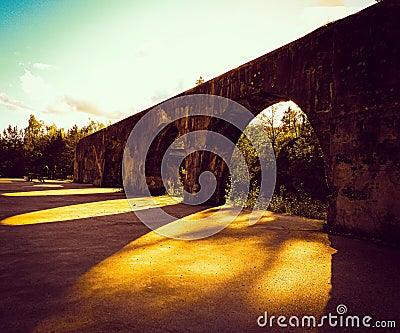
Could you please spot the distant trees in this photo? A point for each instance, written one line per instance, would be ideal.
(301, 187)
(12, 161)
(31, 149)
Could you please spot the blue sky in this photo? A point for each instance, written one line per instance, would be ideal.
(65, 61)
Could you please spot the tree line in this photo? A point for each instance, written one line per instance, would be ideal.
(39, 146)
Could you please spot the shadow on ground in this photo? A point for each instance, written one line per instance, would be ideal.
(40, 261)
(365, 278)
(108, 273)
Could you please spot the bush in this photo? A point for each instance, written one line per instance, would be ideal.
(305, 207)
(300, 205)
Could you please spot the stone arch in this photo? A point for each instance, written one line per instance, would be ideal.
(345, 78)
(158, 147)
(211, 162)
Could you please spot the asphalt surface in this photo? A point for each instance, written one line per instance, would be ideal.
(74, 258)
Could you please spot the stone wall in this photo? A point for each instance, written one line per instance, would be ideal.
(345, 77)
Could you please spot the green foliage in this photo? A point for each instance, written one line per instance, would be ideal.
(301, 183)
(40, 145)
(249, 145)
(11, 145)
(301, 204)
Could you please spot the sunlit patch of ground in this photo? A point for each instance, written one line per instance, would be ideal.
(224, 282)
(47, 185)
(6, 180)
(85, 210)
(68, 191)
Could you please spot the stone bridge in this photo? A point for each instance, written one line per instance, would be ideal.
(345, 77)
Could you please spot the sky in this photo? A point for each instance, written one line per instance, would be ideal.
(66, 61)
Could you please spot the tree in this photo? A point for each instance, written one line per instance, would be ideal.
(283, 123)
(199, 81)
(55, 152)
(11, 152)
(40, 145)
(92, 127)
(34, 144)
(270, 119)
(299, 158)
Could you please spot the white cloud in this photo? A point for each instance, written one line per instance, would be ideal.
(82, 106)
(11, 103)
(91, 109)
(68, 104)
(42, 66)
(36, 65)
(31, 83)
(56, 110)
(37, 89)
(54, 103)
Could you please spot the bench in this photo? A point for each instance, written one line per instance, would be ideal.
(39, 177)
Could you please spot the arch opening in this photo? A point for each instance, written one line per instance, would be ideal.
(154, 157)
(301, 186)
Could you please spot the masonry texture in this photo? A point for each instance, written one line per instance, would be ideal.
(345, 77)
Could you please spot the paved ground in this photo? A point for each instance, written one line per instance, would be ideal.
(76, 259)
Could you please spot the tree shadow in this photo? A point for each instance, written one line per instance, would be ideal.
(222, 283)
(40, 262)
(110, 273)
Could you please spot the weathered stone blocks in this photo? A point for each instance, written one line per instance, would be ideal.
(345, 77)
